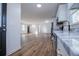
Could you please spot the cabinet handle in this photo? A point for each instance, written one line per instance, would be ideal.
(60, 54)
(59, 49)
(4, 25)
(4, 29)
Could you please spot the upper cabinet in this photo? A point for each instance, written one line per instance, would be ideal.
(73, 9)
(62, 12)
(73, 6)
(68, 12)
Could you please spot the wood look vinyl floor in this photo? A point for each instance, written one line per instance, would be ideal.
(36, 45)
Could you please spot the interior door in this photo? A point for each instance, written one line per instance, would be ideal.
(3, 8)
(51, 28)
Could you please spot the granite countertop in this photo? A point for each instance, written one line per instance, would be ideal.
(71, 39)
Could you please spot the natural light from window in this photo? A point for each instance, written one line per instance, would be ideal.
(23, 27)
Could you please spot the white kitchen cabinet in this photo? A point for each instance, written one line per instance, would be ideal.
(60, 49)
(73, 6)
(62, 12)
(72, 11)
(70, 5)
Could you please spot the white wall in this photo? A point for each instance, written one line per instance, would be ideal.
(45, 28)
(13, 41)
(40, 28)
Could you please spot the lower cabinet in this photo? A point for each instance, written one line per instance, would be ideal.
(60, 49)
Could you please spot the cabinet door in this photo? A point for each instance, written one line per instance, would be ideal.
(72, 6)
(62, 12)
(59, 53)
(60, 49)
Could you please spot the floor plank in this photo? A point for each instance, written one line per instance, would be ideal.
(36, 45)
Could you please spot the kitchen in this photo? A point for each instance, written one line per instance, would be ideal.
(67, 38)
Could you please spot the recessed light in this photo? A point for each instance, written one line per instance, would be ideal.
(39, 5)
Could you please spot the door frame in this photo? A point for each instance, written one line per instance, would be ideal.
(3, 28)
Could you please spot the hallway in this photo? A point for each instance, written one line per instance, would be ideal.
(36, 45)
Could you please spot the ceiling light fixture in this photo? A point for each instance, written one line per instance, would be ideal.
(39, 5)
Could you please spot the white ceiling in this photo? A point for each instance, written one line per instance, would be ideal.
(31, 13)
